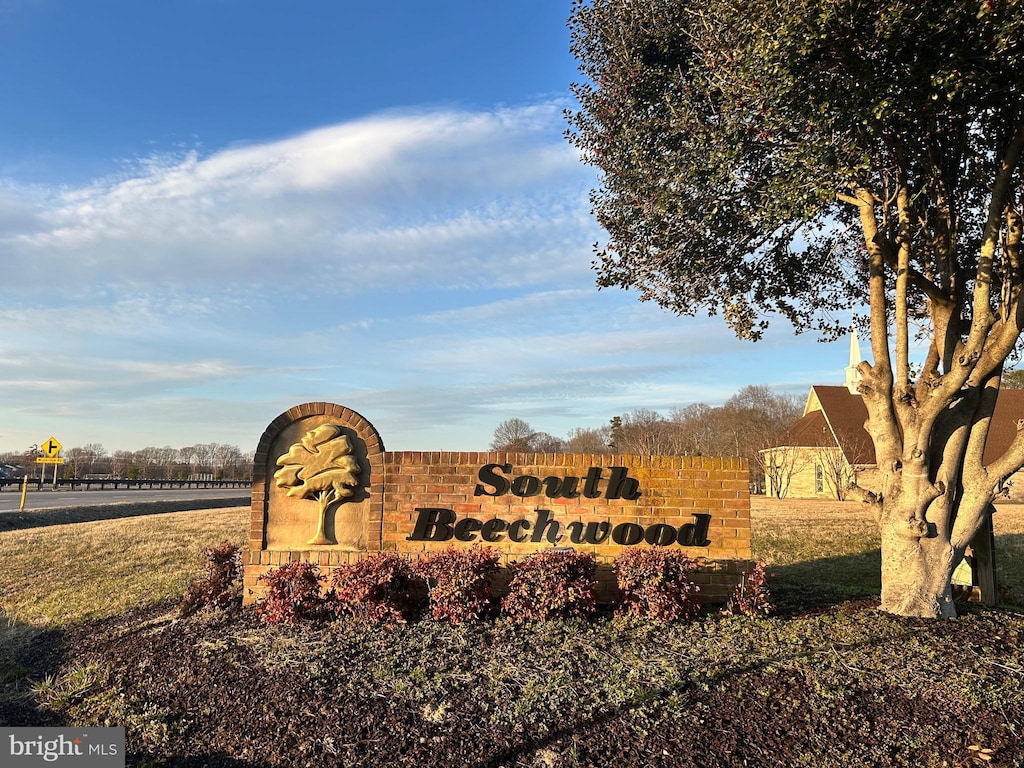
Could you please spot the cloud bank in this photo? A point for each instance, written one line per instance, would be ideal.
(395, 200)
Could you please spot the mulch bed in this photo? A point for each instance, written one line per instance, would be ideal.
(195, 692)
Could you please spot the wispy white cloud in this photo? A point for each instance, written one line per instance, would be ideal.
(396, 200)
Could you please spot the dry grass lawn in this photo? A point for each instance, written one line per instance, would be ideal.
(58, 575)
(830, 687)
(836, 542)
(55, 575)
(827, 682)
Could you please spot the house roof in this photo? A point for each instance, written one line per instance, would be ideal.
(811, 430)
(835, 410)
(846, 416)
(1009, 411)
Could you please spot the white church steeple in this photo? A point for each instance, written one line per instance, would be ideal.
(852, 374)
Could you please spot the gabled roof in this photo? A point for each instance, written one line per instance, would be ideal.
(836, 411)
(846, 416)
(811, 430)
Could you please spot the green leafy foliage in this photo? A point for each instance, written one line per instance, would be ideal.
(459, 582)
(293, 594)
(551, 584)
(725, 131)
(220, 586)
(752, 596)
(383, 588)
(657, 583)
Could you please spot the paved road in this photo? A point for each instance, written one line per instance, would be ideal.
(48, 499)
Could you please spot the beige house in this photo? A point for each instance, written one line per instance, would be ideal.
(825, 450)
(828, 447)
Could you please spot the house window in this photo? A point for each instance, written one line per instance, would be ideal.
(819, 479)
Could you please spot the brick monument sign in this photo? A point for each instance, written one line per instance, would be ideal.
(326, 491)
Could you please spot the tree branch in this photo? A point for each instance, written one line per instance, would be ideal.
(877, 379)
(869, 499)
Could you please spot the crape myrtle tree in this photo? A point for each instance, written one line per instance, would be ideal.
(802, 158)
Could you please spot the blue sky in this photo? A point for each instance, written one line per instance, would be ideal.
(212, 210)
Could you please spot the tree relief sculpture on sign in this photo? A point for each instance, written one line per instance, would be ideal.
(321, 467)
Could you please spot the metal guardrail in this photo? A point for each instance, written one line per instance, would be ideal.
(123, 484)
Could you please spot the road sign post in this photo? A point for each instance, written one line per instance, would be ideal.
(48, 460)
(51, 448)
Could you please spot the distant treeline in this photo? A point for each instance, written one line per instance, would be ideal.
(213, 461)
(753, 419)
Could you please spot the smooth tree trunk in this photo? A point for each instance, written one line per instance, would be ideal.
(917, 556)
(917, 574)
(925, 531)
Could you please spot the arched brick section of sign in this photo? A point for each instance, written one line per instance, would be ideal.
(264, 467)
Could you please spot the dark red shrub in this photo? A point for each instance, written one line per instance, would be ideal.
(752, 597)
(551, 584)
(220, 586)
(293, 594)
(656, 583)
(459, 582)
(382, 588)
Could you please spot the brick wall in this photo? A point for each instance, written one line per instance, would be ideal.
(661, 497)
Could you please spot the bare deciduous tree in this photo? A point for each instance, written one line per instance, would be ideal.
(588, 440)
(513, 435)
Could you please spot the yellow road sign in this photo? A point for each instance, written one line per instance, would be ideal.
(49, 460)
(51, 447)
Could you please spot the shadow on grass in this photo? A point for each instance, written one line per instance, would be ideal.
(27, 654)
(1010, 566)
(13, 521)
(816, 585)
(707, 750)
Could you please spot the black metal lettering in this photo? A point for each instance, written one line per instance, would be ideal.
(575, 531)
(493, 530)
(588, 533)
(517, 531)
(622, 486)
(695, 534)
(627, 534)
(700, 534)
(660, 535)
(495, 481)
(561, 488)
(487, 475)
(597, 532)
(465, 529)
(433, 524)
(685, 537)
(526, 485)
(546, 528)
(590, 489)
